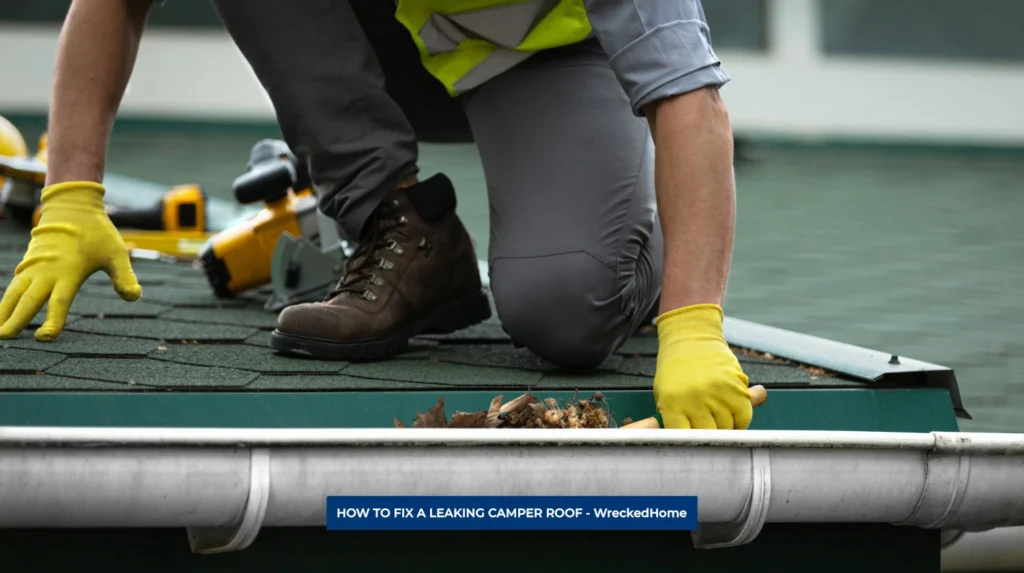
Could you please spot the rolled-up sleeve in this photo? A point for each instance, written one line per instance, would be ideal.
(658, 48)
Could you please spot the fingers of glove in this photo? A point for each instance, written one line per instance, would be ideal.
(675, 421)
(28, 307)
(702, 419)
(57, 311)
(11, 297)
(123, 278)
(723, 417)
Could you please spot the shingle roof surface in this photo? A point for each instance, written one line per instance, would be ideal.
(180, 337)
(907, 251)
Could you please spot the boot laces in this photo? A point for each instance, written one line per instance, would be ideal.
(362, 267)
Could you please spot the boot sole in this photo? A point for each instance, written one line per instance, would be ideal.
(448, 318)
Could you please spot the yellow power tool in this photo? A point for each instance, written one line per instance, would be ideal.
(182, 209)
(288, 244)
(173, 225)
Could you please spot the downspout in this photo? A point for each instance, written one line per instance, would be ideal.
(225, 484)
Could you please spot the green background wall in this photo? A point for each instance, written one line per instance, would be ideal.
(978, 29)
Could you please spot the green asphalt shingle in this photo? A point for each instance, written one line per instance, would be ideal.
(260, 339)
(504, 356)
(191, 295)
(22, 361)
(160, 329)
(243, 357)
(90, 306)
(12, 246)
(82, 344)
(9, 259)
(488, 331)
(442, 374)
(637, 366)
(40, 318)
(51, 383)
(321, 383)
(101, 281)
(152, 373)
(247, 317)
(639, 346)
(600, 381)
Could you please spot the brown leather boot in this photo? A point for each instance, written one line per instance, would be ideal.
(414, 272)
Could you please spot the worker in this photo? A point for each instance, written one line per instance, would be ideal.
(606, 147)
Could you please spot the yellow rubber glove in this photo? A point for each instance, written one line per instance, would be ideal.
(698, 383)
(73, 240)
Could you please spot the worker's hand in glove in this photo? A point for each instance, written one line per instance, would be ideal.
(699, 383)
(74, 239)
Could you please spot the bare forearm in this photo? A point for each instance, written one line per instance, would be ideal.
(696, 194)
(96, 53)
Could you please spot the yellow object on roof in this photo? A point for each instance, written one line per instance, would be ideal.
(179, 244)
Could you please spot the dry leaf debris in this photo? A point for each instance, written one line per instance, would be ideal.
(525, 411)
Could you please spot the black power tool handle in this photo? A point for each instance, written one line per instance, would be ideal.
(268, 182)
(147, 219)
(271, 171)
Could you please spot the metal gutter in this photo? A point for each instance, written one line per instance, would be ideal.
(878, 369)
(226, 484)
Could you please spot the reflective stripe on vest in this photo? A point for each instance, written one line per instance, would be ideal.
(464, 43)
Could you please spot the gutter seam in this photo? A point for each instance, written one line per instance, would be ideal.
(754, 514)
(208, 541)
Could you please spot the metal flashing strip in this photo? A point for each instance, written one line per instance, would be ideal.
(878, 369)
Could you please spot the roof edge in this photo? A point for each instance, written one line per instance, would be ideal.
(879, 369)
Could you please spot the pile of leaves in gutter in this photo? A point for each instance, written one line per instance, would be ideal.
(526, 411)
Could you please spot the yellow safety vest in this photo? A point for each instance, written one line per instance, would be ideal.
(464, 43)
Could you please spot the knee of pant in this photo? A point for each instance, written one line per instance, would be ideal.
(564, 308)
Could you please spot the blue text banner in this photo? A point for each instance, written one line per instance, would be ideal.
(507, 513)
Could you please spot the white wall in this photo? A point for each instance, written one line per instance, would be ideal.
(793, 90)
(195, 74)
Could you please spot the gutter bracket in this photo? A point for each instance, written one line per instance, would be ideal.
(211, 540)
(945, 483)
(950, 536)
(755, 511)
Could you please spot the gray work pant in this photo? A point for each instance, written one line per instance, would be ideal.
(576, 246)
